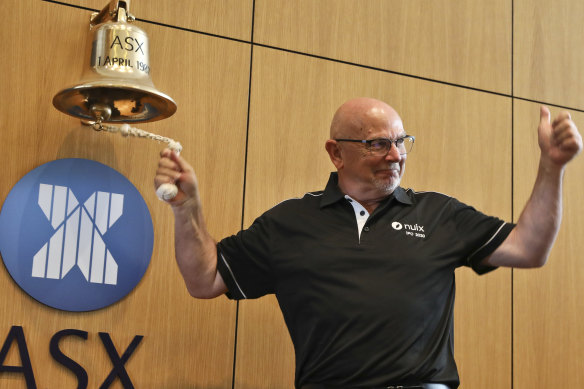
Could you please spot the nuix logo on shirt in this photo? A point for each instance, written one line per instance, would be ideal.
(414, 230)
(75, 235)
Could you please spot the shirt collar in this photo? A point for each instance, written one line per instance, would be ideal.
(332, 193)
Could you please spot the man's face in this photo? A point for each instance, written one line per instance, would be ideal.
(378, 175)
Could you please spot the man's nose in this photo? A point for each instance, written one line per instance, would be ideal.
(393, 154)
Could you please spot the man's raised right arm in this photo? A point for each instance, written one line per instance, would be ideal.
(195, 249)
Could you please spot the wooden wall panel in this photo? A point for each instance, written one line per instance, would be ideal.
(230, 18)
(463, 149)
(463, 42)
(548, 64)
(187, 343)
(549, 303)
(293, 100)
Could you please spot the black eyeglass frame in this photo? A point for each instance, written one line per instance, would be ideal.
(391, 141)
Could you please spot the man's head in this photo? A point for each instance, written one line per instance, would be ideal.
(361, 174)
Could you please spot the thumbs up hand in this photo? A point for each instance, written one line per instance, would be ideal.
(559, 140)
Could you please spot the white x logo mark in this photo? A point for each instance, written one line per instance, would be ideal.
(78, 239)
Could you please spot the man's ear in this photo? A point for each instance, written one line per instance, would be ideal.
(334, 152)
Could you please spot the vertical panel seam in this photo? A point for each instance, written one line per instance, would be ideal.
(512, 187)
(244, 180)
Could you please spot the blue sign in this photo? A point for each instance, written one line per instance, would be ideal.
(76, 235)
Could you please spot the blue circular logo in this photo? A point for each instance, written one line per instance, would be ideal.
(76, 235)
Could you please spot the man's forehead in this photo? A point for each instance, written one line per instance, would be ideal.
(382, 114)
(385, 127)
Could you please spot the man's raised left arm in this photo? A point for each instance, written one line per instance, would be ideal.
(530, 242)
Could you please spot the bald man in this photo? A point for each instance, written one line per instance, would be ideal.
(364, 270)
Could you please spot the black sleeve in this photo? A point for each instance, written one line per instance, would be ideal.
(243, 260)
(480, 233)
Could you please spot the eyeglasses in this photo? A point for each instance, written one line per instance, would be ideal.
(380, 147)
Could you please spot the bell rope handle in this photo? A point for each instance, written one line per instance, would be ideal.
(165, 191)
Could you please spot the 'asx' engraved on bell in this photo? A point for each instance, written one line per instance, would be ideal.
(129, 46)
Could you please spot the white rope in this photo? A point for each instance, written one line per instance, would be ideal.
(165, 191)
(125, 130)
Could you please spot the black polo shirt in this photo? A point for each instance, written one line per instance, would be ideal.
(368, 299)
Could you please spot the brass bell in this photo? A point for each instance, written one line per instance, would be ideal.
(116, 84)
